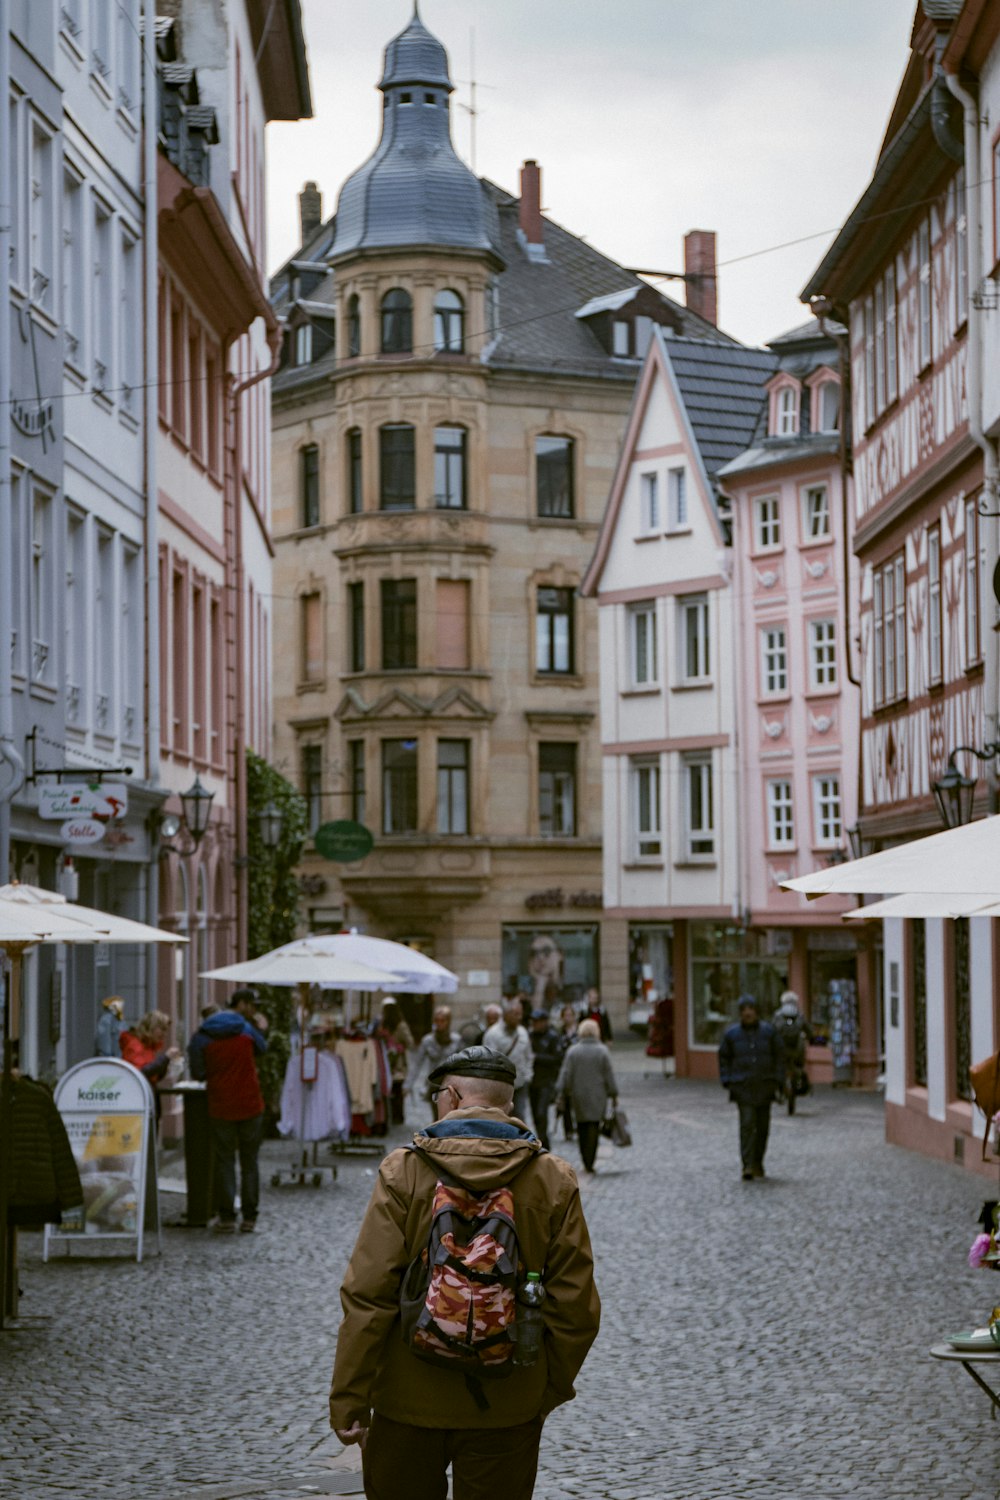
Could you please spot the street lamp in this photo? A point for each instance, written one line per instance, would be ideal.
(954, 792)
(859, 842)
(197, 804)
(271, 821)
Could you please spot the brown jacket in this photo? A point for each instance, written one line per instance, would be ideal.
(374, 1369)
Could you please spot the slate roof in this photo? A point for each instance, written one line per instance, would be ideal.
(722, 387)
(414, 189)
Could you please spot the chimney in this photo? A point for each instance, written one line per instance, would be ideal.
(310, 210)
(701, 286)
(530, 215)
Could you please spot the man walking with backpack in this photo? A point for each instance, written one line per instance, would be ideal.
(462, 1229)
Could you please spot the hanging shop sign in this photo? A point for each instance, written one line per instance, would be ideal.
(82, 831)
(107, 801)
(343, 841)
(108, 1110)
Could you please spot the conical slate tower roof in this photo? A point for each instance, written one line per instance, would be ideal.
(413, 190)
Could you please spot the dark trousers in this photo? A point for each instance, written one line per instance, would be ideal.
(542, 1095)
(229, 1138)
(588, 1136)
(522, 1103)
(755, 1122)
(411, 1463)
(397, 1113)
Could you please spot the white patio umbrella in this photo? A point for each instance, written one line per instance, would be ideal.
(45, 906)
(413, 973)
(944, 864)
(922, 905)
(283, 968)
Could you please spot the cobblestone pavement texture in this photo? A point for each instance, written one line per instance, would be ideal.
(759, 1339)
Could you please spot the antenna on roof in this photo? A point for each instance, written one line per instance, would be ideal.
(471, 109)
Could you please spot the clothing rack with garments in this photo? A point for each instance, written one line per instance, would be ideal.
(315, 1104)
(365, 1061)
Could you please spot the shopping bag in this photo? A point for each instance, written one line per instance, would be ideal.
(621, 1135)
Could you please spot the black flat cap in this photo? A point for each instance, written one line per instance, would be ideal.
(475, 1062)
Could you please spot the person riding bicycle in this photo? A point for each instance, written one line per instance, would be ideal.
(794, 1032)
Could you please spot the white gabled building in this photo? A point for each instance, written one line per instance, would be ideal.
(661, 574)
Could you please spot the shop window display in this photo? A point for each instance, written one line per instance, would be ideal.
(728, 961)
(555, 966)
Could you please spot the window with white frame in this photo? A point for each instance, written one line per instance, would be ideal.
(621, 342)
(103, 297)
(780, 820)
(767, 522)
(924, 295)
(304, 344)
(19, 485)
(879, 307)
(131, 642)
(103, 626)
(826, 810)
(891, 344)
(128, 59)
(649, 502)
(130, 327)
(815, 512)
(972, 643)
(822, 654)
(699, 809)
(557, 789)
(42, 217)
(869, 328)
(17, 175)
(643, 665)
(828, 406)
(74, 266)
(43, 587)
(774, 661)
(677, 505)
(786, 412)
(889, 631)
(961, 250)
(695, 642)
(76, 615)
(934, 657)
(646, 818)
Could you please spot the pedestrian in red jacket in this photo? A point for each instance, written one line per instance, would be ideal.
(145, 1047)
(223, 1053)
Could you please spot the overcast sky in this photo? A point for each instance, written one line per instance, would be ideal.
(760, 119)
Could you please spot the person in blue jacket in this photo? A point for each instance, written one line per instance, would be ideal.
(751, 1067)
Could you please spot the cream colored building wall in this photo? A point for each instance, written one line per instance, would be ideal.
(468, 887)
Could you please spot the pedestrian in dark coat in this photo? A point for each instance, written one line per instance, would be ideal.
(587, 1080)
(751, 1067)
(547, 1050)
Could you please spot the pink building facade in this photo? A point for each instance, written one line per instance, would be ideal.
(799, 698)
(218, 344)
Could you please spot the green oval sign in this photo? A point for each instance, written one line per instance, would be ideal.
(343, 841)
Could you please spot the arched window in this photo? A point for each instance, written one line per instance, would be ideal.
(353, 327)
(449, 323)
(785, 411)
(397, 322)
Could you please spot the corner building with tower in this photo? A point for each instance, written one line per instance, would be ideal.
(457, 375)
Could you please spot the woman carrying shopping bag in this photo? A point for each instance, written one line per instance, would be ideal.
(587, 1082)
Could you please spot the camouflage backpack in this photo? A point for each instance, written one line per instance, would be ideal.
(458, 1297)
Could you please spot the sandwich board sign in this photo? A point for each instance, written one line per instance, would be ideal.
(108, 1109)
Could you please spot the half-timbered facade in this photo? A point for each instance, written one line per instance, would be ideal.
(899, 275)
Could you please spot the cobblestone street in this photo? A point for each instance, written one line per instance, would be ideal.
(765, 1338)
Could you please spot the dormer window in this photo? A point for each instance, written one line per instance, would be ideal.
(406, 98)
(430, 98)
(303, 344)
(827, 407)
(621, 342)
(784, 410)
